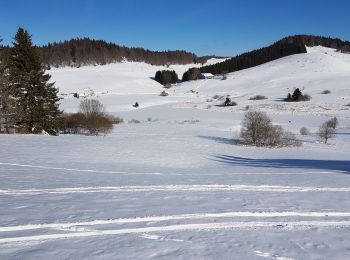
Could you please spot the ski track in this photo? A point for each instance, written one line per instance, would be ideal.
(152, 173)
(182, 227)
(175, 188)
(177, 217)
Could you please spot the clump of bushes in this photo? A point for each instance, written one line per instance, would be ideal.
(164, 94)
(297, 96)
(304, 131)
(134, 121)
(228, 103)
(166, 77)
(91, 119)
(116, 120)
(258, 130)
(258, 97)
(191, 74)
(325, 92)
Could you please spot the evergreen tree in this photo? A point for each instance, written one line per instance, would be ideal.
(36, 101)
(166, 77)
(297, 95)
(6, 102)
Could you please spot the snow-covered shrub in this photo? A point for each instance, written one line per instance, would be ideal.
(164, 94)
(134, 121)
(258, 97)
(258, 130)
(304, 131)
(117, 120)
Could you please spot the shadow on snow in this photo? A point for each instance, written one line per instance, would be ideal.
(334, 165)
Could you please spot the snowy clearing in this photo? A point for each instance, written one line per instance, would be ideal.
(175, 186)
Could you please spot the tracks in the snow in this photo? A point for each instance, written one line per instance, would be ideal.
(174, 188)
(175, 223)
(172, 223)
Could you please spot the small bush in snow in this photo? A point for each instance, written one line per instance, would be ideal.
(164, 94)
(325, 92)
(258, 130)
(304, 131)
(258, 97)
(228, 103)
(78, 123)
(117, 120)
(134, 121)
(217, 97)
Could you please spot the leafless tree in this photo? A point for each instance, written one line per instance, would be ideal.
(257, 129)
(96, 120)
(255, 124)
(326, 132)
(333, 122)
(91, 107)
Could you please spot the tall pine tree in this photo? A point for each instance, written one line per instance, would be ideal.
(6, 102)
(36, 100)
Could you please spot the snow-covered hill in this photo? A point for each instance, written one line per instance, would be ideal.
(175, 186)
(120, 85)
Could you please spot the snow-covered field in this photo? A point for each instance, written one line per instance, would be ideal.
(175, 186)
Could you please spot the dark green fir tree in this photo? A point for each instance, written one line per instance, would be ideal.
(36, 100)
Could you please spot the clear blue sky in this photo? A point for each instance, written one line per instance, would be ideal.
(221, 27)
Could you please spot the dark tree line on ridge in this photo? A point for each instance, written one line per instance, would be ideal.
(85, 51)
(285, 47)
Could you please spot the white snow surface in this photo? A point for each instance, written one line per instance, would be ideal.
(176, 186)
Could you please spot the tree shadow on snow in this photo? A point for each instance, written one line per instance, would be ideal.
(220, 140)
(333, 165)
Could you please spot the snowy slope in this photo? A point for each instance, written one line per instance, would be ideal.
(120, 85)
(175, 186)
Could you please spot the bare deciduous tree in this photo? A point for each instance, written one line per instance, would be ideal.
(257, 129)
(326, 132)
(96, 120)
(254, 127)
(91, 107)
(333, 122)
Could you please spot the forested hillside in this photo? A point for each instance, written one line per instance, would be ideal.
(285, 47)
(85, 51)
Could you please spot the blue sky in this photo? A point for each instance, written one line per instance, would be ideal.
(221, 27)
